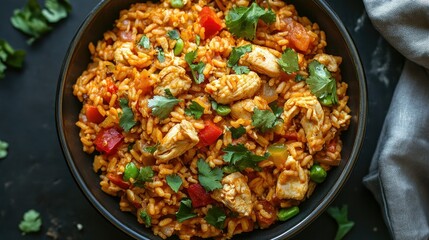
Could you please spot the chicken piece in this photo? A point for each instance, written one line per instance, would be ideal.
(125, 55)
(173, 78)
(243, 109)
(292, 183)
(331, 62)
(233, 87)
(177, 141)
(261, 60)
(311, 122)
(235, 194)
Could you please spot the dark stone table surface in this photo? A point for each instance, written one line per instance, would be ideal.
(35, 174)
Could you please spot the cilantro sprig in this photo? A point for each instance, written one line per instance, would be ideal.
(162, 105)
(196, 69)
(237, 132)
(209, 178)
(31, 222)
(9, 57)
(139, 175)
(340, 216)
(289, 61)
(235, 56)
(216, 216)
(144, 42)
(126, 119)
(242, 21)
(174, 181)
(3, 149)
(185, 210)
(240, 158)
(195, 110)
(322, 84)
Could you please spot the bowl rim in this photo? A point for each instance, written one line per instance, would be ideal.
(302, 224)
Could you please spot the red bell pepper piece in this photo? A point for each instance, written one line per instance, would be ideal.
(118, 181)
(93, 115)
(107, 140)
(209, 134)
(199, 196)
(210, 22)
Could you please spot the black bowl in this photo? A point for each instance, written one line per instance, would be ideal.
(102, 18)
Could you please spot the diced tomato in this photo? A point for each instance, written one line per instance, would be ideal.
(107, 140)
(210, 22)
(199, 196)
(209, 134)
(291, 135)
(111, 88)
(297, 35)
(93, 115)
(143, 83)
(118, 181)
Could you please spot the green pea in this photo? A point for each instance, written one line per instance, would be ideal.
(178, 48)
(223, 110)
(131, 171)
(177, 3)
(287, 213)
(317, 174)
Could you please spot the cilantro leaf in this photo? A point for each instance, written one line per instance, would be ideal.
(144, 42)
(321, 83)
(195, 110)
(340, 216)
(31, 222)
(241, 158)
(162, 106)
(237, 132)
(216, 216)
(10, 57)
(196, 69)
(236, 54)
(145, 175)
(263, 120)
(174, 181)
(160, 54)
(146, 218)
(241, 69)
(289, 61)
(173, 34)
(126, 120)
(185, 210)
(151, 149)
(56, 10)
(3, 149)
(299, 78)
(209, 178)
(242, 21)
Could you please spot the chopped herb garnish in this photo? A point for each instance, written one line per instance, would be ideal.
(241, 69)
(126, 120)
(340, 216)
(195, 110)
(56, 10)
(145, 175)
(131, 171)
(185, 210)
(146, 218)
(31, 222)
(173, 34)
(289, 61)
(264, 120)
(177, 3)
(242, 21)
(151, 149)
(174, 181)
(321, 83)
(216, 216)
(196, 69)
(299, 78)
(144, 42)
(9, 57)
(241, 158)
(197, 39)
(277, 110)
(162, 106)
(3, 149)
(209, 178)
(160, 54)
(236, 54)
(237, 132)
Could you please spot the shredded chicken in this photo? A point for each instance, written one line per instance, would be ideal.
(331, 62)
(233, 87)
(261, 60)
(292, 183)
(173, 78)
(311, 122)
(125, 55)
(177, 141)
(243, 109)
(235, 194)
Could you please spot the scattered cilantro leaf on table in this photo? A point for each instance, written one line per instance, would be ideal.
(3, 149)
(9, 57)
(289, 61)
(185, 210)
(340, 216)
(126, 120)
(162, 106)
(174, 181)
(322, 84)
(196, 69)
(242, 21)
(216, 216)
(241, 158)
(56, 10)
(195, 110)
(209, 178)
(31, 222)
